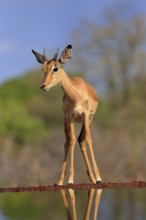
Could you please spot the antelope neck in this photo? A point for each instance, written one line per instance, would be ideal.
(69, 87)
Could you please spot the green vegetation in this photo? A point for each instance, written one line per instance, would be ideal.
(26, 112)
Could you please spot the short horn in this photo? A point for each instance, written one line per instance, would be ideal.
(56, 54)
(44, 54)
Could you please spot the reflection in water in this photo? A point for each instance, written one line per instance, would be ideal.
(89, 204)
(113, 204)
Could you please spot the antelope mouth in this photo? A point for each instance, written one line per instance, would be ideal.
(45, 89)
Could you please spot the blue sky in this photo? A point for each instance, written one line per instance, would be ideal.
(38, 24)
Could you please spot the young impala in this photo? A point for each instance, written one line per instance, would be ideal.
(79, 105)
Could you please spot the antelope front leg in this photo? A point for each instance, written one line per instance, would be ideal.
(66, 149)
(72, 147)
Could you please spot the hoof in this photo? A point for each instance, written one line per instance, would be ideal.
(70, 182)
(98, 182)
(55, 184)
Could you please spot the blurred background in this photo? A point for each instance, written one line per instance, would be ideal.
(109, 51)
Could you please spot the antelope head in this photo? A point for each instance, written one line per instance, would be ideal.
(53, 68)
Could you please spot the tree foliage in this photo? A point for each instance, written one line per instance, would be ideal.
(26, 113)
(113, 48)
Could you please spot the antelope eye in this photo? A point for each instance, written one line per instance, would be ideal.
(55, 69)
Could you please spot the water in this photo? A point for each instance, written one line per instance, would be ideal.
(110, 204)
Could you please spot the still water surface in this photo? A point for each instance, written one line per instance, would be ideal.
(115, 204)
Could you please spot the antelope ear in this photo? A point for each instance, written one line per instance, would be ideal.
(66, 55)
(40, 58)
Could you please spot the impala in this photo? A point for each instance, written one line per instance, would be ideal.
(80, 103)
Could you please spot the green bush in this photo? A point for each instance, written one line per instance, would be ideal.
(18, 124)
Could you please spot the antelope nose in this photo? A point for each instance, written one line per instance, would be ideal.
(42, 86)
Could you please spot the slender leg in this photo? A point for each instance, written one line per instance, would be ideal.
(66, 149)
(89, 204)
(64, 196)
(73, 203)
(97, 201)
(89, 142)
(72, 147)
(82, 142)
